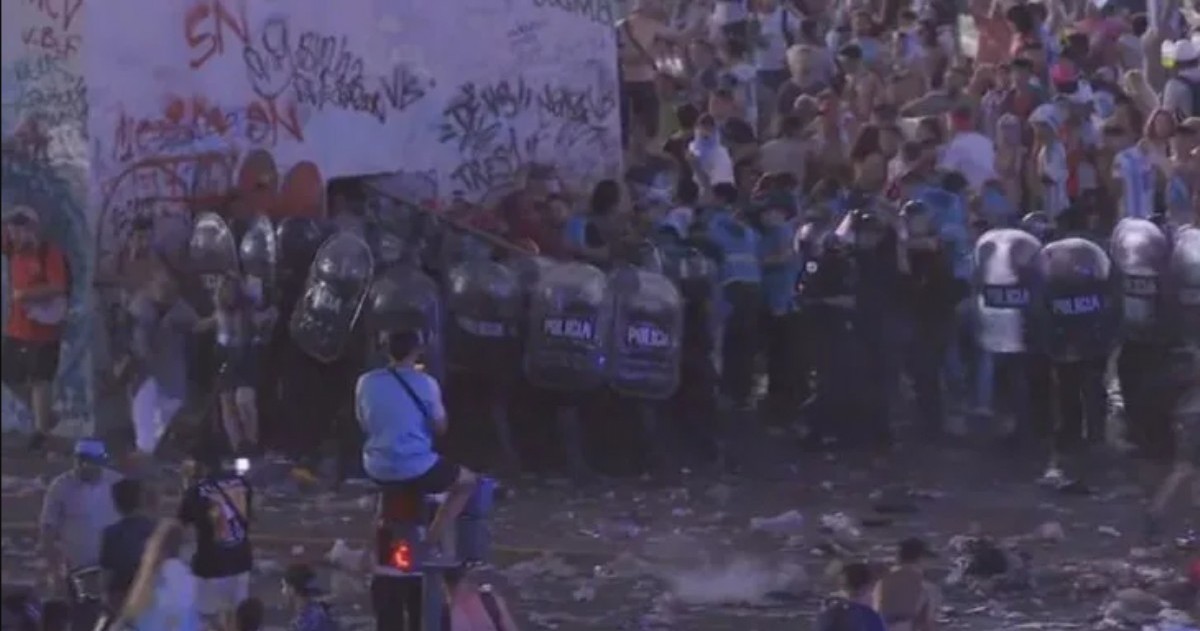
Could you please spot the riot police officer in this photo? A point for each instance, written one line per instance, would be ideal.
(932, 292)
(1179, 385)
(1140, 252)
(847, 294)
(1006, 282)
(1078, 312)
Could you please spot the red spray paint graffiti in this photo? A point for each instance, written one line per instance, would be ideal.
(184, 123)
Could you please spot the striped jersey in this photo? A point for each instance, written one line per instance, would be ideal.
(1133, 169)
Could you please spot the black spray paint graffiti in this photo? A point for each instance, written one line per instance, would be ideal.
(492, 167)
(599, 11)
(322, 71)
(47, 90)
(525, 43)
(476, 116)
(482, 122)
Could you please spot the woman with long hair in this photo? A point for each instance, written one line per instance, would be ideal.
(163, 594)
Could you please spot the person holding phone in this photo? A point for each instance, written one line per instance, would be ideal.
(400, 410)
(218, 504)
(37, 309)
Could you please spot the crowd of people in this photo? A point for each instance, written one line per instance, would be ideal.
(833, 174)
(123, 568)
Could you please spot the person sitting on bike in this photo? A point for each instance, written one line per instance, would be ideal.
(400, 410)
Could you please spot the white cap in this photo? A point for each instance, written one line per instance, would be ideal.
(1185, 51)
(1047, 114)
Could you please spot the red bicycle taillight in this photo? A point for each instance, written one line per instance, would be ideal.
(401, 556)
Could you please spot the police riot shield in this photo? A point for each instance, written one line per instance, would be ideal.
(213, 248)
(647, 335)
(1140, 252)
(386, 246)
(297, 240)
(694, 273)
(323, 319)
(259, 255)
(404, 297)
(529, 271)
(570, 314)
(1077, 301)
(1006, 281)
(485, 302)
(212, 254)
(1184, 269)
(649, 257)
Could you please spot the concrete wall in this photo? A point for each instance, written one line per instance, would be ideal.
(45, 165)
(178, 104)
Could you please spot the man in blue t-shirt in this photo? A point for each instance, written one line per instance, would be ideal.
(400, 410)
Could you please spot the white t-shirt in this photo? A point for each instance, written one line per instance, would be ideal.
(744, 76)
(716, 163)
(972, 154)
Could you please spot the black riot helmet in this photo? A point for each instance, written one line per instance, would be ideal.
(917, 218)
(1039, 225)
(299, 238)
(862, 228)
(913, 208)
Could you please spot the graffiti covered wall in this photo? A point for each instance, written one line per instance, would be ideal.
(45, 165)
(461, 93)
(251, 105)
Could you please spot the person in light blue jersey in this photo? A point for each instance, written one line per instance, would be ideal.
(400, 410)
(780, 270)
(735, 245)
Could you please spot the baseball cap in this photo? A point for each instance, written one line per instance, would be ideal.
(91, 450)
(1185, 51)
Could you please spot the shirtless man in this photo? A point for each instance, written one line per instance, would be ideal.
(638, 37)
